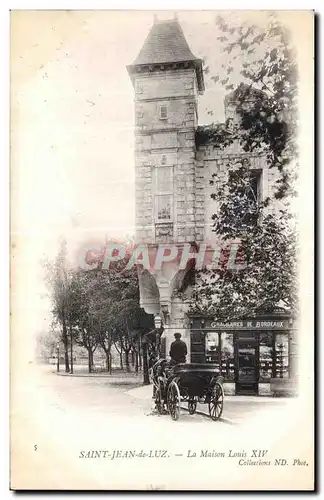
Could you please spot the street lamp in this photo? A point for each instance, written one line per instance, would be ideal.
(159, 331)
(58, 357)
(146, 380)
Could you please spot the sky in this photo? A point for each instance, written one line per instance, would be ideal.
(72, 142)
(72, 138)
(73, 116)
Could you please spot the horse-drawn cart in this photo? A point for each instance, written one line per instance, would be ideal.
(190, 383)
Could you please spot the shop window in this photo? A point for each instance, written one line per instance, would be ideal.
(266, 356)
(227, 356)
(282, 355)
(212, 348)
(220, 352)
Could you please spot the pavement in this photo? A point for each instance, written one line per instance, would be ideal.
(236, 408)
(55, 420)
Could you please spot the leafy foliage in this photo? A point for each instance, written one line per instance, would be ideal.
(268, 246)
(265, 102)
(99, 307)
(58, 279)
(262, 121)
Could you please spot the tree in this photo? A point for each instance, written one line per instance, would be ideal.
(268, 246)
(58, 281)
(261, 58)
(98, 307)
(46, 344)
(263, 122)
(83, 312)
(102, 306)
(126, 319)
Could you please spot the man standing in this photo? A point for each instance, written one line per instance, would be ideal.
(178, 350)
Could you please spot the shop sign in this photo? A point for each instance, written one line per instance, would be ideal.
(250, 325)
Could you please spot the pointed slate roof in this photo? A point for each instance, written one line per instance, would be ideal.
(166, 44)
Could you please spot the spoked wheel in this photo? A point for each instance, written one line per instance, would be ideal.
(174, 400)
(159, 401)
(192, 406)
(215, 405)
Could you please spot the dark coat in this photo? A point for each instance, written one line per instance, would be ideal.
(178, 351)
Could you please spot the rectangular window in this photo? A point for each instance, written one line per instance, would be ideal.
(163, 208)
(254, 191)
(247, 196)
(164, 180)
(163, 112)
(163, 194)
(249, 188)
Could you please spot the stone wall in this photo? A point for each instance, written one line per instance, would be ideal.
(211, 160)
(169, 142)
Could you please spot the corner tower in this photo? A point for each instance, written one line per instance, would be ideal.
(167, 80)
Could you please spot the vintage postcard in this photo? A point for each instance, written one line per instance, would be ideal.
(162, 329)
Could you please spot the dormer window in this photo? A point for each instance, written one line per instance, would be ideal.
(163, 112)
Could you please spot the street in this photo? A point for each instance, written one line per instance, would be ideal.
(58, 419)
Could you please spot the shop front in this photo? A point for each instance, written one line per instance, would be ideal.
(252, 355)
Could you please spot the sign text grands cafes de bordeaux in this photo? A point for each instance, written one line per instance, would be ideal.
(250, 324)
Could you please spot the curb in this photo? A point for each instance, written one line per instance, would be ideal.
(93, 375)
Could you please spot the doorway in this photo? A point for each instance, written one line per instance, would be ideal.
(246, 366)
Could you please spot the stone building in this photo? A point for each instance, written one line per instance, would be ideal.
(174, 208)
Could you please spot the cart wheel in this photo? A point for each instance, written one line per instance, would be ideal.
(215, 405)
(158, 401)
(173, 400)
(192, 406)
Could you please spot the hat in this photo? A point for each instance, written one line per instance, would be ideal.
(177, 335)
